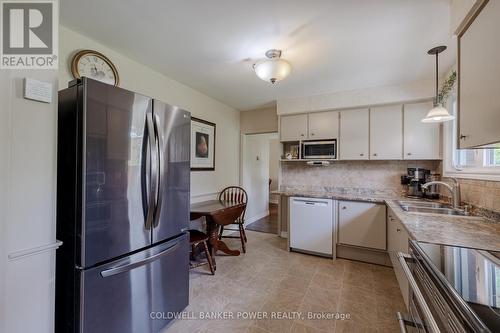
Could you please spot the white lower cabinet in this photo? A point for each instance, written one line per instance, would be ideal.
(397, 241)
(311, 225)
(362, 224)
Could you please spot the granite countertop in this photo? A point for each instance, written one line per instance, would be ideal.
(466, 231)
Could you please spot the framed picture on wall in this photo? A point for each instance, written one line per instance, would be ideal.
(202, 145)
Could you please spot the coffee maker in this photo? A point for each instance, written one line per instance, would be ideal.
(413, 181)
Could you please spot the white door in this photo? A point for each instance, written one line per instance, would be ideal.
(362, 224)
(421, 140)
(256, 174)
(386, 132)
(324, 125)
(293, 128)
(354, 134)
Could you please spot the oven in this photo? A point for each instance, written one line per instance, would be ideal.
(326, 149)
(434, 304)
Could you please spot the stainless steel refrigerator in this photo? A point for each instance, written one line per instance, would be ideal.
(122, 210)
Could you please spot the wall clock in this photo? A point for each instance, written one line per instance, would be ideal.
(94, 65)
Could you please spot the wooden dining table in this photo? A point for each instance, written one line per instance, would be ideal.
(217, 213)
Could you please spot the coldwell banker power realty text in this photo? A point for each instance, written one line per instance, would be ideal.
(29, 36)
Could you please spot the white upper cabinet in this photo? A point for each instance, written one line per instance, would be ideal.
(421, 140)
(324, 125)
(479, 79)
(386, 133)
(354, 134)
(293, 128)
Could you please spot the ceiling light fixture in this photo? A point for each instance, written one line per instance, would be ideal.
(273, 69)
(438, 113)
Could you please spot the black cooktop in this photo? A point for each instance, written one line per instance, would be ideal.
(473, 274)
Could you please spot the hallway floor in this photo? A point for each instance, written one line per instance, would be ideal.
(268, 224)
(268, 279)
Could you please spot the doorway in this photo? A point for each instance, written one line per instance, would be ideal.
(260, 165)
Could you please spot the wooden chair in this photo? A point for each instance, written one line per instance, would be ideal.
(197, 237)
(235, 194)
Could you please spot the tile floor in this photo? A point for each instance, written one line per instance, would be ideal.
(268, 279)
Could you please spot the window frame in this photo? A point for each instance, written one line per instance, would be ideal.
(491, 173)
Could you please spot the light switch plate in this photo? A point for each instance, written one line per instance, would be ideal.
(38, 90)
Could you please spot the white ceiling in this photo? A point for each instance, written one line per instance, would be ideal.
(333, 45)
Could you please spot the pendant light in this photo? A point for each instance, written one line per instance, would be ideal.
(438, 113)
(274, 68)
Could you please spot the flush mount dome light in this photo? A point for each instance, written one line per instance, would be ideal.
(273, 69)
(438, 113)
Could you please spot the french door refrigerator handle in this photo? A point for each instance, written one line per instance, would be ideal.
(153, 156)
(142, 262)
(161, 171)
(429, 318)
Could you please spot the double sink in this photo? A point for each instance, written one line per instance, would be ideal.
(430, 207)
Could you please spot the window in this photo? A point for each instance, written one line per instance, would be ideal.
(468, 163)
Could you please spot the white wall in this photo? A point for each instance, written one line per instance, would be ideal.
(412, 91)
(139, 78)
(256, 175)
(27, 204)
(458, 11)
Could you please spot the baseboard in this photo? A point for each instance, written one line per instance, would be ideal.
(256, 217)
(284, 234)
(363, 254)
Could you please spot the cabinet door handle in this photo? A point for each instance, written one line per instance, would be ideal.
(398, 230)
(301, 134)
(361, 154)
(312, 134)
(375, 154)
(344, 207)
(409, 154)
(463, 137)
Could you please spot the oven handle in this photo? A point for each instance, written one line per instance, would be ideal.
(430, 321)
(404, 321)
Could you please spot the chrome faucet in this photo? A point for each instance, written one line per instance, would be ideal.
(454, 190)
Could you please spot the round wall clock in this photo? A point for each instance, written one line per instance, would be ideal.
(94, 65)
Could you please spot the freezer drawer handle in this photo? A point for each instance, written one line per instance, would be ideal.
(131, 266)
(430, 321)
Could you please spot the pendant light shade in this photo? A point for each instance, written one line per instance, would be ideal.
(273, 69)
(438, 113)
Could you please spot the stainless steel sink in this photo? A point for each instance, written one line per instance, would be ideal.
(423, 204)
(429, 208)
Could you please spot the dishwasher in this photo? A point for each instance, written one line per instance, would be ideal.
(312, 225)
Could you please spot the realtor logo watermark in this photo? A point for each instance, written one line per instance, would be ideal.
(29, 36)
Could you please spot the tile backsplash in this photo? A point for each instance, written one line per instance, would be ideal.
(378, 175)
(480, 193)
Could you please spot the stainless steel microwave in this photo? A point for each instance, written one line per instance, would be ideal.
(326, 149)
